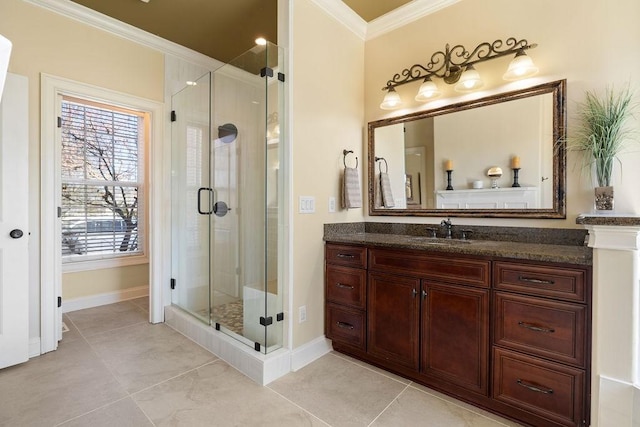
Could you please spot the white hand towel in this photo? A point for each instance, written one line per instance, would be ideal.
(385, 190)
(351, 197)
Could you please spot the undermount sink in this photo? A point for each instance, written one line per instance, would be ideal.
(436, 240)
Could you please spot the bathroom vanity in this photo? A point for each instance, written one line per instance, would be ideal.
(499, 324)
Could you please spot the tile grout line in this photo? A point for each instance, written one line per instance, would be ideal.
(453, 402)
(128, 394)
(390, 403)
(295, 404)
(93, 410)
(175, 376)
(368, 368)
(109, 370)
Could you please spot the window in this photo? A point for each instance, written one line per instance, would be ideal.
(102, 180)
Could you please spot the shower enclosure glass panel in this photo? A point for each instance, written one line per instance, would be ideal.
(237, 207)
(190, 231)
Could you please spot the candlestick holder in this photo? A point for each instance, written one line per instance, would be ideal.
(449, 186)
(515, 177)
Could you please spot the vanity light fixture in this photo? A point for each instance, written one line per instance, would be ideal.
(261, 41)
(391, 100)
(428, 90)
(455, 65)
(469, 80)
(520, 67)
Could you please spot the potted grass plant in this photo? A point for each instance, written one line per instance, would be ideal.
(602, 134)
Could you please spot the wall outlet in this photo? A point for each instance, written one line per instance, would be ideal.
(302, 314)
(332, 204)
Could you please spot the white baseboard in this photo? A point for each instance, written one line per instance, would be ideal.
(307, 353)
(104, 299)
(34, 347)
(616, 403)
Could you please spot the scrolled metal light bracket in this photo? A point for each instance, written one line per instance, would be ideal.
(450, 63)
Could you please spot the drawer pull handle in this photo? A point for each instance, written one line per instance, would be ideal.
(346, 256)
(343, 286)
(536, 281)
(534, 388)
(344, 325)
(536, 328)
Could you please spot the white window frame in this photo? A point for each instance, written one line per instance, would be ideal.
(158, 173)
(96, 262)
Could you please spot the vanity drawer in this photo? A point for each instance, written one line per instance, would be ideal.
(346, 325)
(547, 389)
(352, 256)
(451, 269)
(549, 281)
(534, 325)
(346, 285)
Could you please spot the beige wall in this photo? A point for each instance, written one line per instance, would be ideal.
(327, 117)
(589, 42)
(44, 42)
(87, 283)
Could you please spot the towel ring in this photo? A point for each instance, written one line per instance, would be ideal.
(344, 157)
(386, 165)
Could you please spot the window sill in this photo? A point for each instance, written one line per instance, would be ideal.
(98, 264)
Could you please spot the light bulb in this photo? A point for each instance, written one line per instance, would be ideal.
(428, 90)
(391, 100)
(469, 80)
(520, 67)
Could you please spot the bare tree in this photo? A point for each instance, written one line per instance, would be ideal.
(97, 148)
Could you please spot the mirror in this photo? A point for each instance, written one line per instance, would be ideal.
(506, 156)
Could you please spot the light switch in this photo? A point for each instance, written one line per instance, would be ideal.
(307, 204)
(332, 204)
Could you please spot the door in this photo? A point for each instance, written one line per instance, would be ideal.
(191, 198)
(455, 335)
(14, 268)
(393, 317)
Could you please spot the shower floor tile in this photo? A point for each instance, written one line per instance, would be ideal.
(113, 368)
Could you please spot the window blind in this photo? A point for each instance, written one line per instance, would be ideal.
(101, 180)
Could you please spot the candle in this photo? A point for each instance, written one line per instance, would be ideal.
(448, 165)
(515, 162)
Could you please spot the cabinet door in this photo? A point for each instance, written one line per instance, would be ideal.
(393, 318)
(455, 335)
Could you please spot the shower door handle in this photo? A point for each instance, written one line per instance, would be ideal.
(200, 190)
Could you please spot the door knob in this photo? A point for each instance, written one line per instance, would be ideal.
(16, 234)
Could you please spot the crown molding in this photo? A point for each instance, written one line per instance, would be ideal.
(129, 32)
(345, 15)
(404, 15)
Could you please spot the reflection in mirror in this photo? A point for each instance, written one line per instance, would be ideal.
(517, 132)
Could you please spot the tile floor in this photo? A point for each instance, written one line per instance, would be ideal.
(113, 368)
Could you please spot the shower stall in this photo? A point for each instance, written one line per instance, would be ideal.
(226, 208)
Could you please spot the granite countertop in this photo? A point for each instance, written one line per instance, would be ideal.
(570, 254)
(613, 219)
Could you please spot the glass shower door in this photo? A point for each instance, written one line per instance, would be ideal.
(191, 198)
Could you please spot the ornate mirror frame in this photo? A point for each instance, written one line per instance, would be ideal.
(558, 211)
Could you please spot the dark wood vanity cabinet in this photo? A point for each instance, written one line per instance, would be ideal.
(345, 295)
(541, 340)
(455, 336)
(393, 315)
(509, 336)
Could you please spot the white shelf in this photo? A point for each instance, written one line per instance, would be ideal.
(488, 198)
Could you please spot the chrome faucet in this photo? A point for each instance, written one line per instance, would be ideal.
(447, 223)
